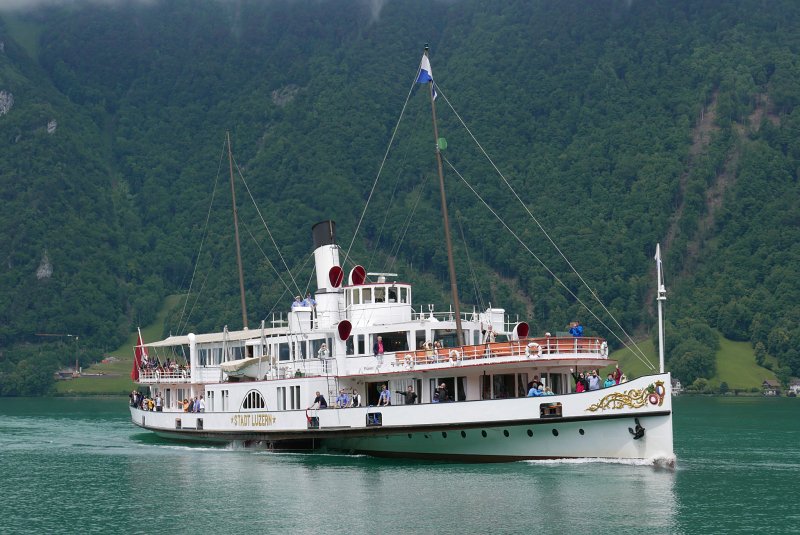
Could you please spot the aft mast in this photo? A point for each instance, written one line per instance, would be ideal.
(425, 75)
(236, 233)
(662, 296)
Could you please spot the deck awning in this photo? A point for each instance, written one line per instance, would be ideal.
(219, 337)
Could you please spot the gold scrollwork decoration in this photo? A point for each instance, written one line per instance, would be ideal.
(634, 398)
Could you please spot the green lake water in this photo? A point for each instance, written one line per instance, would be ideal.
(79, 466)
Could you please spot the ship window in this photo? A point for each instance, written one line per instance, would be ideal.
(380, 294)
(253, 400)
(446, 337)
(419, 340)
(235, 353)
(503, 386)
(367, 295)
(404, 295)
(294, 394)
(281, 398)
(356, 299)
(522, 385)
(393, 294)
(393, 341)
(361, 347)
(283, 351)
(316, 344)
(301, 350)
(461, 390)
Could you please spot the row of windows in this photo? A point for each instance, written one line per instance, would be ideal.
(378, 294)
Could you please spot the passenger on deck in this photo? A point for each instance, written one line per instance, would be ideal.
(319, 402)
(623, 379)
(185, 405)
(385, 397)
(444, 395)
(490, 335)
(355, 401)
(377, 349)
(617, 375)
(298, 301)
(581, 384)
(534, 391)
(409, 395)
(576, 329)
(594, 381)
(201, 404)
(323, 351)
(343, 400)
(609, 381)
(309, 301)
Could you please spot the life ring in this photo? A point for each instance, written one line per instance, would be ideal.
(604, 349)
(531, 347)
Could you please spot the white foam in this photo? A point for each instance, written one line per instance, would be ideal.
(658, 462)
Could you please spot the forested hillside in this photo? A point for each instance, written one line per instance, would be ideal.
(621, 124)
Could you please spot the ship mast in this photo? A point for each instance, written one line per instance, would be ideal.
(445, 218)
(662, 296)
(236, 233)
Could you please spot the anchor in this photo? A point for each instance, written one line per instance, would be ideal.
(638, 431)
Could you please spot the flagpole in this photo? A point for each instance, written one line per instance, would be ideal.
(236, 232)
(450, 262)
(662, 296)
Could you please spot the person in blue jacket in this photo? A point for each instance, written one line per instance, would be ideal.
(535, 391)
(576, 329)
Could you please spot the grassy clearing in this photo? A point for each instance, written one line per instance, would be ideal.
(736, 365)
(24, 32)
(116, 377)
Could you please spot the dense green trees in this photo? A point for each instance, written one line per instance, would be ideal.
(594, 112)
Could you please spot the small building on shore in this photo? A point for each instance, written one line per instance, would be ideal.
(771, 388)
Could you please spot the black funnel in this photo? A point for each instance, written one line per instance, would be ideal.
(324, 233)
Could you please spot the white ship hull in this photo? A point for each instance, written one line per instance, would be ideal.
(596, 424)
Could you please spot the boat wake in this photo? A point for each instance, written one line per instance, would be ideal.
(667, 463)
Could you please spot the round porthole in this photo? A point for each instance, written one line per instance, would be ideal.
(444, 435)
(555, 432)
(581, 431)
(530, 432)
(483, 434)
(463, 434)
(505, 432)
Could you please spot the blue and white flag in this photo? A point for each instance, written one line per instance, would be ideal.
(425, 72)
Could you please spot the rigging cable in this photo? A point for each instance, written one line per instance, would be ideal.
(202, 241)
(395, 250)
(258, 211)
(391, 203)
(469, 262)
(380, 169)
(591, 291)
(646, 362)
